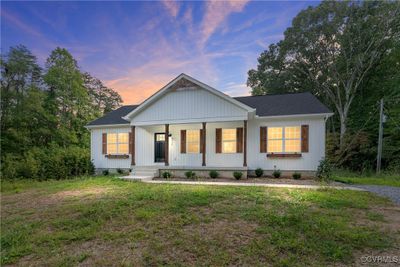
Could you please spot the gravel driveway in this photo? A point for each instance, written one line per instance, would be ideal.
(390, 192)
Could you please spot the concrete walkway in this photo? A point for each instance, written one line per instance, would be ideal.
(251, 184)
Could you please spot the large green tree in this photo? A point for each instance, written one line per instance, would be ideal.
(68, 99)
(102, 98)
(330, 50)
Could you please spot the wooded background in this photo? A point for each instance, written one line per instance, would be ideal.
(345, 53)
(348, 55)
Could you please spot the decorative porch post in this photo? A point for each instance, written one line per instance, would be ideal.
(133, 162)
(245, 144)
(166, 148)
(203, 148)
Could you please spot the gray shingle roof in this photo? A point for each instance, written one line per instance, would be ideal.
(114, 117)
(265, 105)
(284, 104)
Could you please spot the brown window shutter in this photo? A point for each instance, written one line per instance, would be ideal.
(263, 139)
(239, 140)
(201, 140)
(218, 140)
(104, 150)
(304, 138)
(130, 143)
(183, 141)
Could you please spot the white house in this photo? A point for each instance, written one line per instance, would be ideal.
(188, 125)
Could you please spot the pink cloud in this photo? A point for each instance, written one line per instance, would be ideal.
(216, 13)
(14, 20)
(172, 7)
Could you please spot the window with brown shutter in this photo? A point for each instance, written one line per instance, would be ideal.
(304, 138)
(104, 142)
(201, 140)
(239, 140)
(263, 139)
(130, 143)
(218, 140)
(183, 141)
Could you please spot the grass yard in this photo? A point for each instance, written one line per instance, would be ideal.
(351, 178)
(106, 221)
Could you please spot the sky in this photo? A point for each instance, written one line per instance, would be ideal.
(138, 47)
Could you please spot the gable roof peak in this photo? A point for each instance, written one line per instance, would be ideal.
(193, 81)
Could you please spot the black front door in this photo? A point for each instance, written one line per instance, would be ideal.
(159, 147)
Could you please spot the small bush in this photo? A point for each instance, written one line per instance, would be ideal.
(237, 175)
(277, 173)
(296, 175)
(324, 171)
(190, 174)
(259, 172)
(166, 175)
(106, 172)
(213, 174)
(120, 171)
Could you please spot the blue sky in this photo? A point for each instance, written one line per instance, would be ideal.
(137, 47)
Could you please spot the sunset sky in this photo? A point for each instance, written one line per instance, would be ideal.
(137, 47)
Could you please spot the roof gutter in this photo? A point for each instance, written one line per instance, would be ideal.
(89, 127)
(327, 115)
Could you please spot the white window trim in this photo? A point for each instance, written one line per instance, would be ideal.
(284, 140)
(230, 141)
(188, 142)
(118, 143)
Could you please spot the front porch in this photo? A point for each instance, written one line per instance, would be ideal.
(190, 146)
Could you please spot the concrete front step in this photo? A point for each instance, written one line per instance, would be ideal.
(145, 171)
(137, 178)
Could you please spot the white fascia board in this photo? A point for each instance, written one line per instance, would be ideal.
(89, 127)
(322, 115)
(189, 121)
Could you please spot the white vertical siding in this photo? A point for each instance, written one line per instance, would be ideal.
(99, 160)
(308, 161)
(255, 159)
(189, 105)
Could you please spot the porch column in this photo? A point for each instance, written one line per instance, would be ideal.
(133, 162)
(203, 148)
(245, 143)
(166, 148)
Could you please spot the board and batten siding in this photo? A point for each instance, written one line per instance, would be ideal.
(98, 158)
(307, 162)
(189, 105)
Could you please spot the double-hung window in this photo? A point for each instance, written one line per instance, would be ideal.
(118, 143)
(193, 141)
(284, 139)
(228, 140)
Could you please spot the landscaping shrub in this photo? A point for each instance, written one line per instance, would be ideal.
(106, 172)
(120, 171)
(296, 175)
(53, 162)
(324, 171)
(166, 175)
(213, 174)
(237, 175)
(277, 173)
(259, 172)
(190, 174)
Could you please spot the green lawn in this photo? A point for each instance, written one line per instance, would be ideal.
(349, 178)
(106, 221)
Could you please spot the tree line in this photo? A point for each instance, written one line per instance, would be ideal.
(43, 114)
(347, 53)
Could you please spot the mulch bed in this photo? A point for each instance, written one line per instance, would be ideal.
(264, 180)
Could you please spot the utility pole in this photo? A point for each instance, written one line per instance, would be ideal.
(379, 156)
